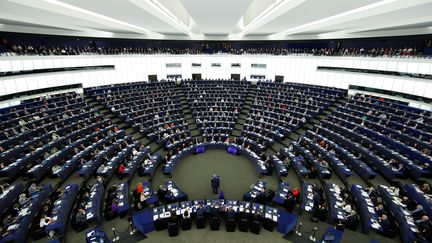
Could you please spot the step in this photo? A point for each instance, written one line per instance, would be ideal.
(195, 133)
(236, 133)
(309, 126)
(145, 141)
(190, 120)
(239, 126)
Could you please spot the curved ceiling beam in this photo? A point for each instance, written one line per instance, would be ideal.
(184, 24)
(76, 12)
(267, 13)
(383, 6)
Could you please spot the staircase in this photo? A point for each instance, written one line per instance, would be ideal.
(187, 112)
(239, 125)
(122, 125)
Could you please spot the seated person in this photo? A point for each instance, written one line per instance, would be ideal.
(425, 231)
(112, 193)
(424, 220)
(385, 223)
(346, 207)
(352, 220)
(418, 212)
(199, 211)
(230, 214)
(379, 209)
(409, 203)
(3, 185)
(312, 172)
(56, 169)
(15, 210)
(340, 226)
(139, 188)
(23, 200)
(8, 221)
(121, 169)
(290, 202)
(141, 200)
(426, 188)
(33, 189)
(80, 216)
(320, 212)
(114, 206)
(44, 221)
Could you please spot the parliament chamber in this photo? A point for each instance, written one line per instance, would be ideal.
(226, 121)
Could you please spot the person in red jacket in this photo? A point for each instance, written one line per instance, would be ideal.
(121, 170)
(139, 188)
(296, 192)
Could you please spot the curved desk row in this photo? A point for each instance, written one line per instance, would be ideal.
(260, 167)
(156, 218)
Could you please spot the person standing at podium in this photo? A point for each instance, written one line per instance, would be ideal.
(215, 183)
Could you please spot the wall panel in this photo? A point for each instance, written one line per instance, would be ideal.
(130, 68)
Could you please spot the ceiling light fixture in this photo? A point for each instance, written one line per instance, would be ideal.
(166, 13)
(350, 12)
(73, 11)
(84, 11)
(276, 5)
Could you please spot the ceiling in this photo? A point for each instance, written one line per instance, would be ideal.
(218, 19)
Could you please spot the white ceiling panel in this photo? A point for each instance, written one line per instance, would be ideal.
(216, 17)
(309, 11)
(125, 11)
(218, 20)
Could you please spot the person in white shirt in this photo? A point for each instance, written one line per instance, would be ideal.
(383, 116)
(55, 169)
(347, 208)
(44, 221)
(419, 120)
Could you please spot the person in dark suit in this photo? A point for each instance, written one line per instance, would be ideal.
(320, 212)
(15, 210)
(380, 209)
(418, 212)
(425, 231)
(231, 214)
(290, 202)
(372, 193)
(161, 193)
(385, 223)
(317, 198)
(214, 211)
(340, 226)
(215, 183)
(352, 220)
(424, 220)
(199, 211)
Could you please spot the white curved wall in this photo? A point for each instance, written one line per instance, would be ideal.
(302, 69)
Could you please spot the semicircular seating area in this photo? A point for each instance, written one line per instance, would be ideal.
(84, 162)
